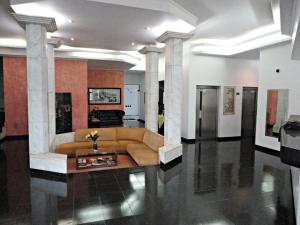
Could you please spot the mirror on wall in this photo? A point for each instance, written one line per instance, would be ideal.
(277, 109)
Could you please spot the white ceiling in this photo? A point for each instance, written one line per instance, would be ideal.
(112, 26)
(115, 24)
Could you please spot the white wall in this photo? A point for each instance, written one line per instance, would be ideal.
(161, 67)
(289, 78)
(215, 71)
(137, 77)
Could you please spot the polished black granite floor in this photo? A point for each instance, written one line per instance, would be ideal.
(216, 183)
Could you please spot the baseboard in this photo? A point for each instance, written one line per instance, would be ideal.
(171, 164)
(188, 141)
(14, 138)
(293, 205)
(142, 121)
(267, 150)
(223, 139)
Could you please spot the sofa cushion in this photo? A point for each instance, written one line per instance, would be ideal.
(142, 154)
(105, 134)
(70, 148)
(153, 140)
(123, 144)
(108, 144)
(136, 134)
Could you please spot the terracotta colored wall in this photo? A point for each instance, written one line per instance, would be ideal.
(15, 95)
(272, 107)
(71, 76)
(107, 79)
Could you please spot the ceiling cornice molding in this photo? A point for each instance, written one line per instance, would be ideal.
(181, 12)
(80, 55)
(240, 48)
(168, 6)
(173, 35)
(148, 49)
(296, 42)
(54, 41)
(48, 22)
(278, 32)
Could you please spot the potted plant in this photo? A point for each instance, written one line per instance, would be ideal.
(93, 136)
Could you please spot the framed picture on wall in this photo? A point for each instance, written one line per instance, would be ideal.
(229, 101)
(104, 96)
(63, 105)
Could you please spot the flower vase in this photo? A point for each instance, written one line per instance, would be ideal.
(95, 146)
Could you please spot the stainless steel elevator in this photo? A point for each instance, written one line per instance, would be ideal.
(249, 107)
(206, 112)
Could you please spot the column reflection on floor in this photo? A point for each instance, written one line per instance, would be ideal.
(44, 194)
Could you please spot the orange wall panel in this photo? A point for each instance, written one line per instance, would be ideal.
(71, 76)
(15, 95)
(107, 79)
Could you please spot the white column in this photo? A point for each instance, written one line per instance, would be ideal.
(37, 79)
(151, 87)
(173, 85)
(52, 43)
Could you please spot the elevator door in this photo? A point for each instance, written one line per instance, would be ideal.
(207, 109)
(249, 111)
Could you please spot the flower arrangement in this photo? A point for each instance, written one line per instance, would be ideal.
(93, 136)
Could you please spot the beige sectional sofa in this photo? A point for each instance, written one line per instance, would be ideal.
(141, 144)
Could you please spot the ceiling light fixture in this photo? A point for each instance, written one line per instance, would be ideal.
(148, 28)
(72, 39)
(160, 45)
(132, 44)
(12, 42)
(70, 21)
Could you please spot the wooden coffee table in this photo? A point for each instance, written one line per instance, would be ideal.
(88, 160)
(102, 157)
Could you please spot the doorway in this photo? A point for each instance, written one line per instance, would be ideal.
(206, 112)
(2, 112)
(249, 107)
(132, 101)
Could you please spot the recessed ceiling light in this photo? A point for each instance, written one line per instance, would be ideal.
(132, 43)
(72, 39)
(70, 21)
(148, 28)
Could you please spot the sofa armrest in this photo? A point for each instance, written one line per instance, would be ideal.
(168, 153)
(64, 138)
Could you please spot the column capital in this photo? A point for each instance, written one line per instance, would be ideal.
(48, 22)
(54, 41)
(148, 49)
(173, 35)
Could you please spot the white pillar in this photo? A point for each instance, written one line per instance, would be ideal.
(151, 87)
(37, 79)
(52, 43)
(173, 85)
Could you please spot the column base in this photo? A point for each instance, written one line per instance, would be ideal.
(168, 153)
(47, 161)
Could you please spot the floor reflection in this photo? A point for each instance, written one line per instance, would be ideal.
(214, 183)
